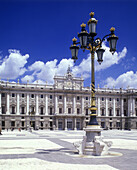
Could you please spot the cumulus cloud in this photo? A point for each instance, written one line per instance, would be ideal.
(128, 79)
(108, 60)
(29, 78)
(38, 65)
(51, 68)
(12, 66)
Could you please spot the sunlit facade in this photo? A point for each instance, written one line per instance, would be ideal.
(64, 105)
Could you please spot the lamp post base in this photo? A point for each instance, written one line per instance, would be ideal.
(92, 143)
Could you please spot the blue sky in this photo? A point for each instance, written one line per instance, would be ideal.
(35, 37)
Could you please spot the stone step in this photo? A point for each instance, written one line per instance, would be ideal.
(88, 152)
(89, 147)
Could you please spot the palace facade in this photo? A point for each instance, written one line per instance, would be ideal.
(64, 105)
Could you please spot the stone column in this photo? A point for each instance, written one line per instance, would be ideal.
(56, 104)
(65, 105)
(75, 123)
(129, 106)
(56, 124)
(27, 104)
(18, 106)
(0, 105)
(46, 107)
(98, 106)
(82, 105)
(122, 107)
(106, 107)
(65, 123)
(37, 105)
(114, 108)
(133, 107)
(74, 105)
(8, 104)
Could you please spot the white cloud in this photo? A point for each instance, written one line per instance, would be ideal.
(29, 78)
(51, 68)
(108, 60)
(12, 66)
(123, 81)
(46, 72)
(38, 65)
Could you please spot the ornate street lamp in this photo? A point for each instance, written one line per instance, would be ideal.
(88, 42)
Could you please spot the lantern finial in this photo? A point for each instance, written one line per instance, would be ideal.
(112, 29)
(92, 14)
(83, 25)
(74, 39)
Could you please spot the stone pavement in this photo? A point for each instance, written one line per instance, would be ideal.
(54, 150)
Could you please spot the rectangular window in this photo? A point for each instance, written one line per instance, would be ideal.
(13, 95)
(102, 98)
(117, 99)
(110, 112)
(69, 110)
(50, 96)
(41, 110)
(60, 97)
(23, 95)
(3, 110)
(110, 124)
(3, 123)
(118, 113)
(3, 94)
(22, 110)
(60, 110)
(136, 112)
(86, 98)
(13, 110)
(32, 95)
(124, 100)
(41, 96)
(78, 97)
(22, 123)
(125, 113)
(110, 99)
(86, 111)
(50, 111)
(103, 113)
(78, 111)
(12, 123)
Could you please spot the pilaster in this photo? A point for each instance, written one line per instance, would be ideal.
(18, 106)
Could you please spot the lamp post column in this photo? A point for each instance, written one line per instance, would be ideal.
(93, 108)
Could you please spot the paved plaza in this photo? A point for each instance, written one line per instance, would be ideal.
(54, 150)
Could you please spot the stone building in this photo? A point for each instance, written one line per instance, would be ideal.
(64, 105)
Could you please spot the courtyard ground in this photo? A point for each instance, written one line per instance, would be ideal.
(54, 150)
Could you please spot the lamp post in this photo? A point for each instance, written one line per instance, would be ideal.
(92, 143)
(88, 42)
